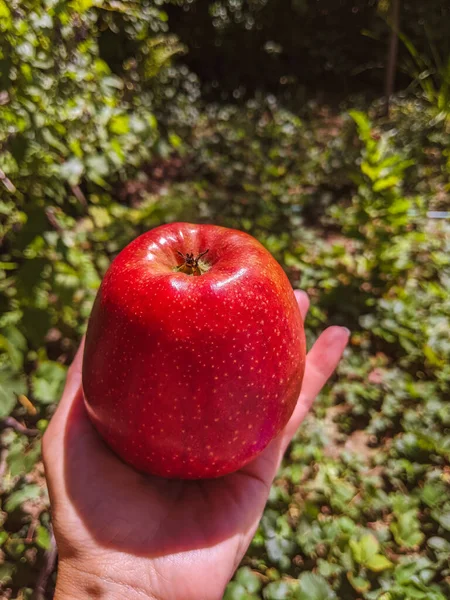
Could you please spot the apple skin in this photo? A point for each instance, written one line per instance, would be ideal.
(187, 376)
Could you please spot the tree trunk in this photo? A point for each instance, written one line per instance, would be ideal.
(392, 53)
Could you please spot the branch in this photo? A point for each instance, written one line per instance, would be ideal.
(7, 182)
(52, 219)
(3, 462)
(76, 191)
(12, 423)
(46, 570)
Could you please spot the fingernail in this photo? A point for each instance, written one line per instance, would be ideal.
(347, 330)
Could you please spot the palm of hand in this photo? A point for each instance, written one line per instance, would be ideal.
(168, 538)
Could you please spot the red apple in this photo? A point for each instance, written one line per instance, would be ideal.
(194, 352)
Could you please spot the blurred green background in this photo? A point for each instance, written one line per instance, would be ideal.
(269, 116)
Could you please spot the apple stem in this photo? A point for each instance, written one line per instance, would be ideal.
(192, 265)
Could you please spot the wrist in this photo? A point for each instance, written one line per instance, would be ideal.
(75, 582)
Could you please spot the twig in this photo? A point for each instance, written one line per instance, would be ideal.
(52, 219)
(12, 423)
(46, 570)
(4, 98)
(76, 191)
(3, 462)
(31, 530)
(7, 182)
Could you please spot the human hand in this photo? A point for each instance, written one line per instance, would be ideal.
(122, 534)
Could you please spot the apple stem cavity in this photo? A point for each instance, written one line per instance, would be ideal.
(192, 265)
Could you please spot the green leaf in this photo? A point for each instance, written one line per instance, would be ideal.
(98, 169)
(432, 358)
(400, 206)
(43, 537)
(81, 6)
(364, 549)
(53, 141)
(8, 266)
(378, 563)
(360, 584)
(407, 539)
(15, 344)
(279, 590)
(112, 82)
(6, 568)
(386, 183)
(369, 170)
(22, 457)
(362, 121)
(442, 518)
(48, 381)
(328, 569)
(120, 124)
(408, 570)
(175, 140)
(433, 493)
(28, 492)
(439, 544)
(72, 170)
(314, 587)
(152, 121)
(236, 591)
(11, 384)
(406, 529)
(5, 16)
(101, 216)
(248, 579)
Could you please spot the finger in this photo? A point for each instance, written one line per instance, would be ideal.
(70, 414)
(321, 362)
(73, 381)
(303, 302)
(55, 430)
